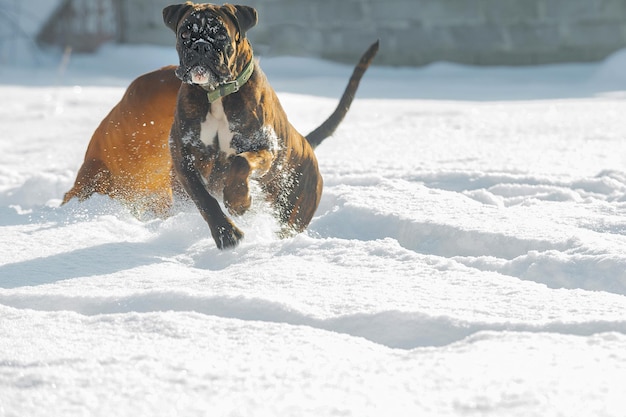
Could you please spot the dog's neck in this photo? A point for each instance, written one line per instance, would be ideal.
(225, 89)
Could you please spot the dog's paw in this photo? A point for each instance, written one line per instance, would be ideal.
(227, 235)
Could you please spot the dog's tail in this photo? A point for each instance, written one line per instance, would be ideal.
(328, 127)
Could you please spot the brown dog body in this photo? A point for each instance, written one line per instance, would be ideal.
(128, 157)
(228, 130)
(218, 147)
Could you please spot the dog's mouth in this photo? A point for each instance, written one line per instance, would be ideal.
(200, 75)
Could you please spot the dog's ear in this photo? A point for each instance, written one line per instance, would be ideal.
(247, 17)
(244, 17)
(174, 13)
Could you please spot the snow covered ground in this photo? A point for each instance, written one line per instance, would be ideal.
(468, 256)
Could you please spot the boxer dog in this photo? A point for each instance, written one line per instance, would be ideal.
(229, 127)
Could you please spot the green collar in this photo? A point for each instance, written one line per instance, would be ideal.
(233, 86)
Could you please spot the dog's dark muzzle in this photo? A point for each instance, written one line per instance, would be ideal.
(202, 57)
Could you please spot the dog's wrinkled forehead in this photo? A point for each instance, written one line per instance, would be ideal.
(210, 19)
(202, 24)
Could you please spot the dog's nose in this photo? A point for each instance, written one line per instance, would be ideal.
(201, 46)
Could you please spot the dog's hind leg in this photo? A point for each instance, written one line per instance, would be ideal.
(93, 177)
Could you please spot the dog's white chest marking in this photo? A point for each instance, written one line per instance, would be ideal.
(216, 124)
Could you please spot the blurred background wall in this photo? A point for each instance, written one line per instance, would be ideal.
(412, 32)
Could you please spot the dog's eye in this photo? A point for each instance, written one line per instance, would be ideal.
(185, 35)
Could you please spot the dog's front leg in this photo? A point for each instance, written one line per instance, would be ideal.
(185, 161)
(244, 166)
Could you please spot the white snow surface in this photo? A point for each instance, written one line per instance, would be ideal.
(468, 256)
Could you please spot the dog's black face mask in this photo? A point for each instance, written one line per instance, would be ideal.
(207, 36)
(205, 49)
